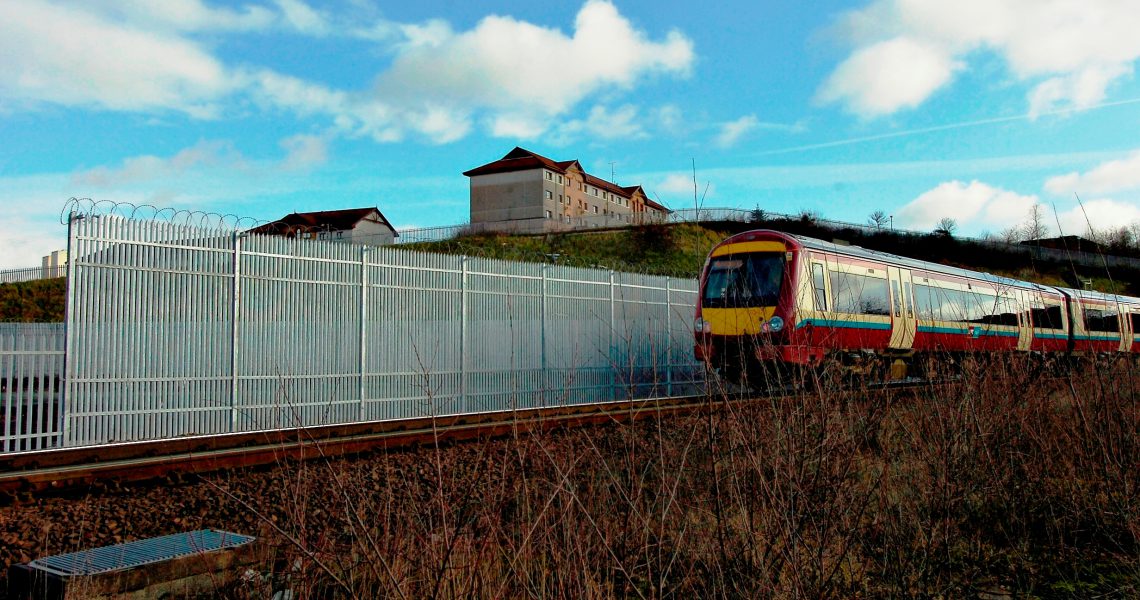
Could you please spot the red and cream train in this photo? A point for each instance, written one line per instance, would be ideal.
(773, 299)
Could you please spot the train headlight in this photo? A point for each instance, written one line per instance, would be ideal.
(775, 324)
(701, 326)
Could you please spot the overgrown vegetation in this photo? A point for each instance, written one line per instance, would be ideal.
(39, 301)
(996, 483)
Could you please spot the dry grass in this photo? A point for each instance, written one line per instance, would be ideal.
(994, 481)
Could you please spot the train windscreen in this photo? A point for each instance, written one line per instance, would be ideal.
(744, 280)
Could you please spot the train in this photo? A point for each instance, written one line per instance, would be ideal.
(772, 302)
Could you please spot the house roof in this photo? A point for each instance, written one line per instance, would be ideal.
(330, 220)
(521, 159)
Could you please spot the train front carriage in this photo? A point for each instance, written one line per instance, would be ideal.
(747, 303)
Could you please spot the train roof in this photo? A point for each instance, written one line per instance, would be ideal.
(913, 263)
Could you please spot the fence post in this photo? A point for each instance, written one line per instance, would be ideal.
(235, 313)
(668, 338)
(463, 336)
(363, 323)
(68, 335)
(542, 339)
(613, 327)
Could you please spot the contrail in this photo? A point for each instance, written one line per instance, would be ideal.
(961, 125)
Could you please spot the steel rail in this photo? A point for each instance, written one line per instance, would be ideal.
(26, 474)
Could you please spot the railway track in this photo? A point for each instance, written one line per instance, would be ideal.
(26, 474)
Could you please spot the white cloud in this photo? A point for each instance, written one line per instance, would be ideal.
(185, 15)
(1069, 52)
(601, 123)
(888, 76)
(507, 66)
(148, 167)
(731, 132)
(303, 18)
(678, 189)
(69, 57)
(1112, 176)
(1103, 214)
(970, 204)
(304, 152)
(513, 75)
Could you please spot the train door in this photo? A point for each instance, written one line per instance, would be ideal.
(903, 323)
(1022, 299)
(1125, 321)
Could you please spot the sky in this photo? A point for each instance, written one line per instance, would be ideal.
(974, 110)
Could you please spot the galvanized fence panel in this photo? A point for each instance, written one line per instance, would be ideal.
(179, 331)
(31, 371)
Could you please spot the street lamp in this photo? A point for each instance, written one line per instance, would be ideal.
(892, 222)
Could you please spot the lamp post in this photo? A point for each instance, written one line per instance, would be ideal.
(892, 222)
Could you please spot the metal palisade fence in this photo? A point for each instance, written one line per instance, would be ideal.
(175, 331)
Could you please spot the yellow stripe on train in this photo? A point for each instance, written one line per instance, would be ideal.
(745, 247)
(737, 321)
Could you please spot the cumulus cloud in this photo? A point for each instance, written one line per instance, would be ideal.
(888, 76)
(1102, 214)
(905, 50)
(514, 76)
(975, 203)
(69, 57)
(1106, 178)
(509, 67)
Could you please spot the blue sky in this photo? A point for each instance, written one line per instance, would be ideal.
(974, 110)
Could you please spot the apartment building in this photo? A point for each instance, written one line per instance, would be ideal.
(530, 193)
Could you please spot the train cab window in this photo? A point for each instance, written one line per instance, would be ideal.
(817, 277)
(1048, 317)
(860, 294)
(744, 280)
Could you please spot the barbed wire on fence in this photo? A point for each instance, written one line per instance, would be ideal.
(87, 207)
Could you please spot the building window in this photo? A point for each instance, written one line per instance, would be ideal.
(595, 210)
(548, 215)
(549, 176)
(549, 194)
(559, 179)
(560, 198)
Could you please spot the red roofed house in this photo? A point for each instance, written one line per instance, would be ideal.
(530, 193)
(353, 225)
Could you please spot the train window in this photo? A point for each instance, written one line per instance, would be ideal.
(817, 277)
(860, 294)
(924, 301)
(1098, 319)
(744, 280)
(897, 297)
(909, 300)
(1136, 323)
(997, 310)
(1047, 318)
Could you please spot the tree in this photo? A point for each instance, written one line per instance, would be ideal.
(1035, 227)
(878, 219)
(946, 226)
(1012, 235)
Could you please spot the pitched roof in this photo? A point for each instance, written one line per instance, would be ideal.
(521, 159)
(331, 220)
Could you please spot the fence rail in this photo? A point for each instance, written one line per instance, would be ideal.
(31, 368)
(177, 331)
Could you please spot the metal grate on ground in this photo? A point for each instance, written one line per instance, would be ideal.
(138, 553)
